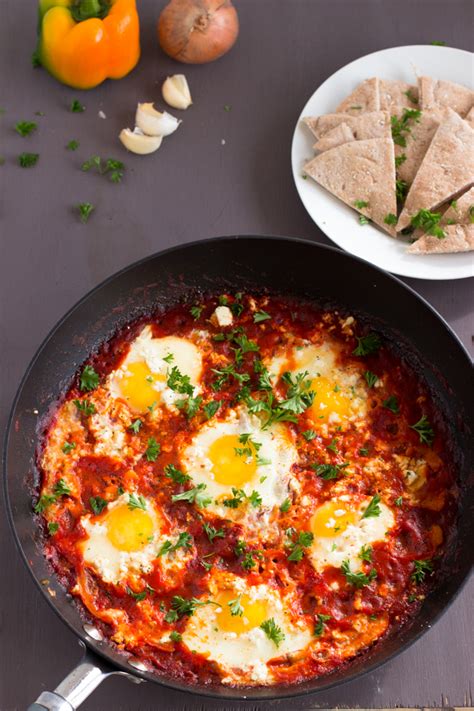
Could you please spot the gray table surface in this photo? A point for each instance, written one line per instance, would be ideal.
(194, 187)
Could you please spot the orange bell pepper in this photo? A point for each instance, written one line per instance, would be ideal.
(83, 42)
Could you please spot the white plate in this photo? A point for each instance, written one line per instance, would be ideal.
(336, 219)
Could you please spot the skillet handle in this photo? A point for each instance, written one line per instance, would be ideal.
(79, 684)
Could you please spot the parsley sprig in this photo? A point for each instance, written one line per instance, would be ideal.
(401, 127)
(184, 541)
(181, 606)
(421, 568)
(429, 223)
(304, 540)
(273, 631)
(425, 431)
(373, 508)
(194, 496)
(358, 580)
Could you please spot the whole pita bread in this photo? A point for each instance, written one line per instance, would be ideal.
(417, 142)
(374, 124)
(360, 170)
(365, 97)
(446, 171)
(393, 94)
(435, 93)
(460, 213)
(459, 238)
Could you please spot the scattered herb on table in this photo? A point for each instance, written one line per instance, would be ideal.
(25, 128)
(28, 160)
(85, 211)
(76, 107)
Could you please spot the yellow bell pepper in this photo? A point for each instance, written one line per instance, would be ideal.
(83, 42)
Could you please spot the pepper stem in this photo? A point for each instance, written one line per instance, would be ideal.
(85, 9)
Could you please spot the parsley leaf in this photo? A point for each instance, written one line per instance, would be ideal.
(425, 431)
(390, 219)
(249, 560)
(399, 501)
(211, 408)
(401, 189)
(255, 499)
(364, 452)
(153, 450)
(410, 96)
(85, 407)
(176, 474)
(175, 636)
(309, 435)
(195, 495)
(366, 345)
(391, 403)
(238, 497)
(360, 204)
(272, 631)
(25, 128)
(399, 160)
(285, 506)
(358, 580)
(28, 160)
(304, 540)
(370, 378)
(365, 553)
(85, 211)
(429, 223)
(68, 447)
(184, 541)
(328, 471)
(77, 107)
(196, 311)
(98, 504)
(89, 378)
(137, 596)
(72, 145)
(363, 220)
(236, 609)
(373, 509)
(319, 627)
(136, 425)
(180, 607)
(212, 532)
(422, 567)
(44, 501)
(135, 502)
(178, 382)
(400, 126)
(52, 527)
(260, 316)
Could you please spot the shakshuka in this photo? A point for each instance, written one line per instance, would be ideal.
(246, 490)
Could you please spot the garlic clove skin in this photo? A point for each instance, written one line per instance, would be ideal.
(137, 142)
(155, 123)
(176, 92)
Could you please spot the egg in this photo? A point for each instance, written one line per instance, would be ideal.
(340, 530)
(340, 392)
(229, 629)
(125, 539)
(142, 378)
(237, 453)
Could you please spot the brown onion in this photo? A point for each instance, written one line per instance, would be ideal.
(198, 31)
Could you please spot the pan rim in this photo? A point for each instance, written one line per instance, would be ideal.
(220, 692)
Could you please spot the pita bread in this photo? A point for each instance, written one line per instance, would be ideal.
(434, 93)
(446, 171)
(365, 97)
(460, 213)
(335, 137)
(360, 170)
(470, 117)
(393, 94)
(418, 142)
(459, 238)
(374, 124)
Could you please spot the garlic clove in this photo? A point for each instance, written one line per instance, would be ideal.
(137, 142)
(176, 92)
(155, 123)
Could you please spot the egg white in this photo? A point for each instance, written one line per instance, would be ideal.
(243, 657)
(346, 545)
(180, 352)
(270, 481)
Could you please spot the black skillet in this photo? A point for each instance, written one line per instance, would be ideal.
(248, 264)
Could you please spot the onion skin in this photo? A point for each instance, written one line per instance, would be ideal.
(198, 31)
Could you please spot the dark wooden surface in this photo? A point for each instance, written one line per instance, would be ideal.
(195, 186)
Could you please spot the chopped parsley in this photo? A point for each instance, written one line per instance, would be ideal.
(35, 59)
(391, 403)
(255, 499)
(25, 128)
(410, 96)
(363, 220)
(175, 636)
(429, 223)
(319, 626)
(399, 501)
(68, 447)
(196, 312)
(304, 540)
(194, 496)
(211, 408)
(52, 527)
(153, 449)
(360, 204)
(85, 211)
(44, 501)
(285, 506)
(213, 533)
(260, 316)
(328, 471)
(72, 145)
(28, 160)
(136, 502)
(136, 596)
(85, 407)
(373, 509)
(390, 219)
(136, 425)
(190, 405)
(89, 379)
(364, 452)
(76, 107)
(238, 496)
(61, 488)
(98, 504)
(425, 431)
(401, 188)
(272, 631)
(333, 446)
(176, 474)
(400, 126)
(240, 547)
(236, 609)
(358, 580)
(180, 607)
(399, 160)
(422, 567)
(184, 541)
(365, 553)
(438, 43)
(309, 435)
(370, 378)
(471, 214)
(249, 560)
(178, 382)
(366, 345)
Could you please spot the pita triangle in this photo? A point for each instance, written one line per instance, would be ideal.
(365, 97)
(459, 238)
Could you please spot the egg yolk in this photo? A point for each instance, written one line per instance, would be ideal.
(128, 530)
(229, 467)
(331, 519)
(253, 612)
(137, 386)
(328, 399)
